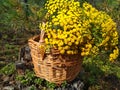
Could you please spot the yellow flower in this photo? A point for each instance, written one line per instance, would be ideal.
(65, 28)
(113, 56)
(69, 43)
(62, 51)
(60, 48)
(68, 52)
(56, 23)
(71, 22)
(46, 40)
(49, 36)
(77, 42)
(66, 47)
(61, 43)
(88, 45)
(82, 53)
(95, 50)
(105, 41)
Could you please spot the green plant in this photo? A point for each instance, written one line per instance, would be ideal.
(38, 81)
(50, 85)
(64, 84)
(92, 69)
(94, 87)
(18, 15)
(26, 79)
(8, 69)
(9, 15)
(32, 87)
(96, 67)
(29, 78)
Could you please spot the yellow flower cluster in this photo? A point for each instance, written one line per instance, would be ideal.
(86, 50)
(74, 29)
(114, 55)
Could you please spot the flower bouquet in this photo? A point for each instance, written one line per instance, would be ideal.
(69, 32)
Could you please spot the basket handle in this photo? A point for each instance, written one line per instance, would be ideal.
(42, 34)
(42, 44)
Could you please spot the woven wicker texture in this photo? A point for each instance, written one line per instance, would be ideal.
(54, 67)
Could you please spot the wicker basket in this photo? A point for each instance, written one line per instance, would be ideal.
(54, 67)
